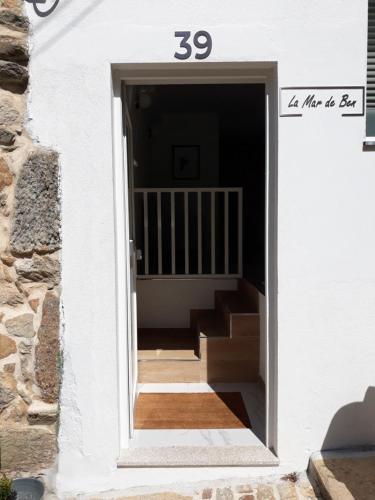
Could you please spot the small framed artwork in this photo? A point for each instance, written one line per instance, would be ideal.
(186, 162)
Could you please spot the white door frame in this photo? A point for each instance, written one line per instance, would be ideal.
(194, 73)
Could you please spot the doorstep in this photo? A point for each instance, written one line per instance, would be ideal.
(197, 456)
(344, 474)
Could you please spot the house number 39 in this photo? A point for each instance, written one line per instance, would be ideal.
(202, 41)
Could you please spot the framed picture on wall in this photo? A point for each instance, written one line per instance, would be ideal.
(186, 162)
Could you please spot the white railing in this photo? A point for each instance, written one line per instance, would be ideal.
(189, 232)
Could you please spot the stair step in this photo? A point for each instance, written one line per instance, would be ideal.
(198, 456)
(245, 325)
(167, 344)
(165, 371)
(234, 302)
(229, 372)
(250, 293)
(229, 349)
(209, 323)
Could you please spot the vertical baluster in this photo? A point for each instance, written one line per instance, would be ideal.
(199, 215)
(226, 233)
(186, 213)
(213, 237)
(240, 232)
(173, 234)
(145, 229)
(160, 250)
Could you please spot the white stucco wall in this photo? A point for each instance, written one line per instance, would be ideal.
(325, 207)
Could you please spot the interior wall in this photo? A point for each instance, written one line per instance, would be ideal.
(181, 129)
(167, 303)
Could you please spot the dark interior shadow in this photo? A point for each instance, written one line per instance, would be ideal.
(234, 402)
(353, 428)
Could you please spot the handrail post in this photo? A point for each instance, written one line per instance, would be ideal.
(145, 230)
(213, 236)
(186, 218)
(240, 230)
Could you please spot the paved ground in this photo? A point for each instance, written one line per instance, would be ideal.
(337, 475)
(292, 487)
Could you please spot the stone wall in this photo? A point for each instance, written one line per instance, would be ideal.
(29, 268)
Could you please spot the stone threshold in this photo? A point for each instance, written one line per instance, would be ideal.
(197, 456)
(344, 474)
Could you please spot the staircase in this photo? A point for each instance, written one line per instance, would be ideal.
(222, 344)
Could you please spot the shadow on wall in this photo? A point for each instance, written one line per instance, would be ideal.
(353, 427)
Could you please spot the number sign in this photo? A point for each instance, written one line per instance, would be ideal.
(202, 41)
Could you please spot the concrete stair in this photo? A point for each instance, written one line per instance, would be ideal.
(222, 344)
(346, 474)
(168, 355)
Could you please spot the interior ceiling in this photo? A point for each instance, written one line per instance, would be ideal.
(205, 98)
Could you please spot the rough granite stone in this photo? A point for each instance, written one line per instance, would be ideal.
(47, 350)
(8, 389)
(34, 303)
(5, 274)
(21, 326)
(10, 368)
(6, 177)
(13, 49)
(13, 20)
(27, 368)
(40, 413)
(36, 223)
(8, 260)
(26, 346)
(16, 412)
(7, 346)
(24, 393)
(207, 494)
(41, 269)
(7, 137)
(265, 492)
(224, 494)
(15, 5)
(3, 203)
(27, 448)
(9, 294)
(287, 490)
(158, 496)
(305, 490)
(244, 488)
(9, 114)
(13, 73)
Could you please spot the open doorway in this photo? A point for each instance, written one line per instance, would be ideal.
(197, 184)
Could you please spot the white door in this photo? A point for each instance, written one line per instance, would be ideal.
(132, 261)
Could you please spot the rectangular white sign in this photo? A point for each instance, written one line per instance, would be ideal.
(344, 101)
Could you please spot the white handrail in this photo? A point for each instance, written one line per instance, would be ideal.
(189, 190)
(215, 222)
